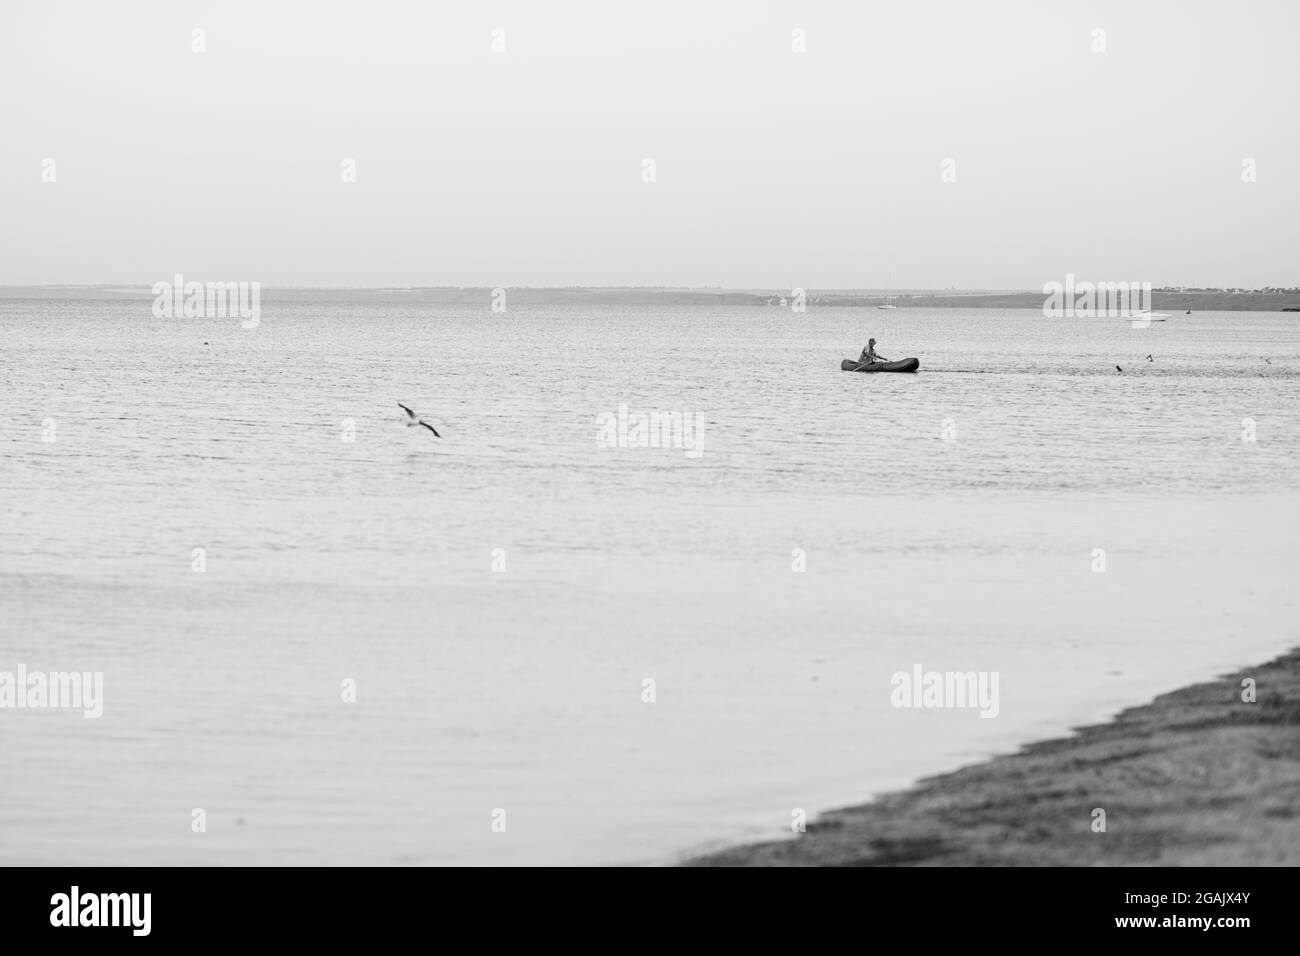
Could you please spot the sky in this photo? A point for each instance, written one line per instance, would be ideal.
(999, 144)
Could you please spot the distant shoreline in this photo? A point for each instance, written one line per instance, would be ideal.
(1196, 777)
(1172, 301)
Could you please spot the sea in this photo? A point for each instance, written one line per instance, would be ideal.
(649, 593)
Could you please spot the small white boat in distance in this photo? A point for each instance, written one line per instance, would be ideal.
(888, 304)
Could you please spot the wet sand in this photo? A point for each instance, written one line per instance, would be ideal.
(1196, 777)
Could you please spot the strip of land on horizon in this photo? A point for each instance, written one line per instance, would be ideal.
(1203, 300)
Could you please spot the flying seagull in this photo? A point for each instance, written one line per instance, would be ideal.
(413, 419)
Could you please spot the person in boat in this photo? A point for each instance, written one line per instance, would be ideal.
(869, 354)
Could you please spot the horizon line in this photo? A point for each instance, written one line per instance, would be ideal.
(775, 290)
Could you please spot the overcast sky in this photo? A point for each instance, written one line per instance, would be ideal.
(773, 168)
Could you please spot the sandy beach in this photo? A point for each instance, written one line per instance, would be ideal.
(1196, 777)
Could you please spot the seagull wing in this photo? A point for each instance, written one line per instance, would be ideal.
(431, 428)
(409, 413)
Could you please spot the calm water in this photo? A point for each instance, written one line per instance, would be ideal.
(521, 689)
